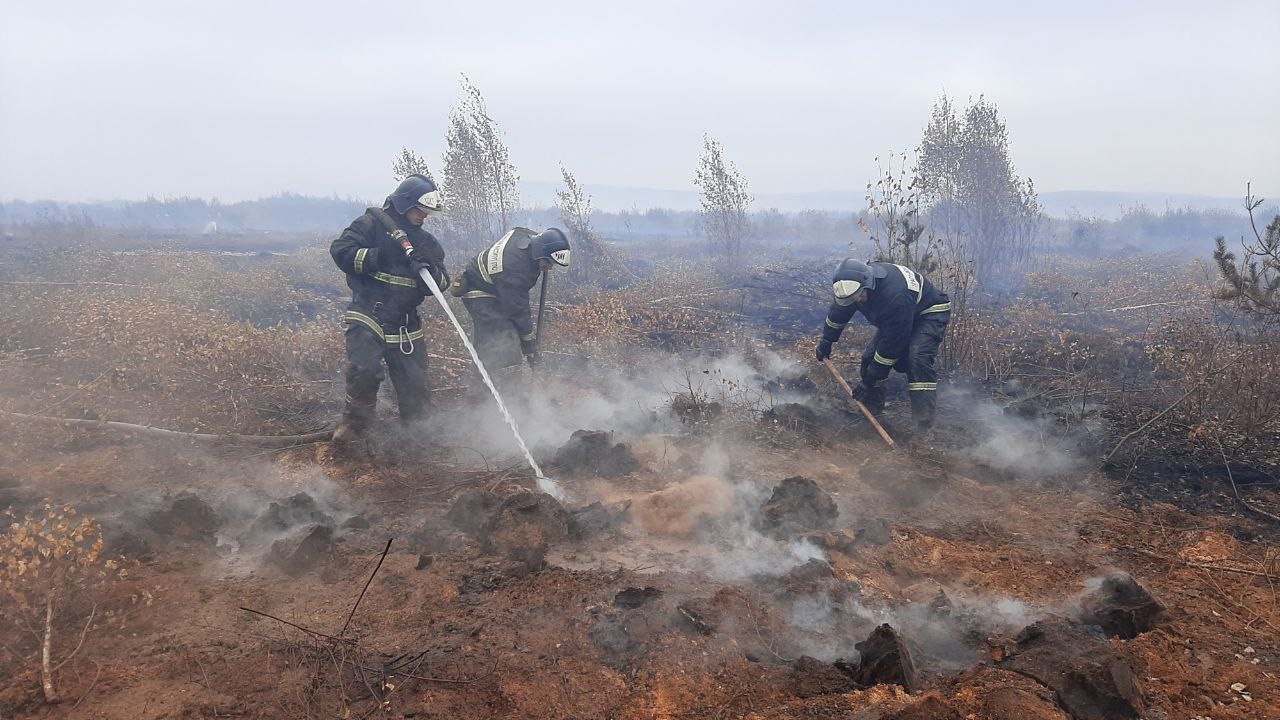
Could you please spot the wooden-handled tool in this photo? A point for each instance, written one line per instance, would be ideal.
(870, 418)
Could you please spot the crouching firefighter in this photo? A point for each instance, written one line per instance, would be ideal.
(910, 316)
(495, 290)
(386, 289)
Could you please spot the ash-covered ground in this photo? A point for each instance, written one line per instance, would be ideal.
(734, 542)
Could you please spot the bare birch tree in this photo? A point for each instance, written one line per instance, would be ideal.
(575, 214)
(973, 196)
(480, 183)
(409, 163)
(724, 206)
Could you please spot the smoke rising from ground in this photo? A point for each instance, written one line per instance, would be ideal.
(1027, 447)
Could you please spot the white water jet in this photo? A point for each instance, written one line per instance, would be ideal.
(545, 484)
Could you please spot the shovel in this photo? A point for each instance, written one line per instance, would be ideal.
(542, 308)
(870, 418)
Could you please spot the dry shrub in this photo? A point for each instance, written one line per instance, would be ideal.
(176, 365)
(1233, 377)
(51, 565)
(674, 312)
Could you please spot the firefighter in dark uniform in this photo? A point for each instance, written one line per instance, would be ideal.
(910, 316)
(495, 290)
(386, 289)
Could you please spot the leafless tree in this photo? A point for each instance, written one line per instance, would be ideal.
(480, 183)
(974, 198)
(590, 254)
(409, 163)
(896, 228)
(724, 206)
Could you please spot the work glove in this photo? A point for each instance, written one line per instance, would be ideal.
(824, 350)
(418, 264)
(862, 391)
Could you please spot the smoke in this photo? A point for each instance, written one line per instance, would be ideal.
(942, 634)
(1027, 447)
(630, 402)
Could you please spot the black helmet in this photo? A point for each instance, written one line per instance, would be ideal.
(550, 244)
(851, 276)
(416, 191)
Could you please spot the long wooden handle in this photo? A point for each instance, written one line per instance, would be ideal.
(870, 418)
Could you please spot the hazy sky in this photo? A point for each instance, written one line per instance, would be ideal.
(103, 100)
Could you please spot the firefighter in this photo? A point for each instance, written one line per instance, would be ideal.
(910, 316)
(382, 323)
(495, 290)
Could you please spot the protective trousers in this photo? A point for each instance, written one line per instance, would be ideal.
(494, 335)
(919, 366)
(366, 353)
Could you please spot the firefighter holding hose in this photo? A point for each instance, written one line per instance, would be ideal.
(495, 290)
(910, 316)
(383, 327)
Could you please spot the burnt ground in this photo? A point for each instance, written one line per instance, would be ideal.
(675, 597)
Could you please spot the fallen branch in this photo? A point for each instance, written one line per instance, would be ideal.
(1135, 307)
(1146, 425)
(1202, 566)
(149, 431)
(78, 282)
(309, 631)
(1226, 568)
(377, 567)
(89, 689)
(1236, 491)
(78, 390)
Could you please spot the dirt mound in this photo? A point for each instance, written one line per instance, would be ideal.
(595, 519)
(796, 418)
(677, 509)
(814, 580)
(796, 506)
(999, 693)
(472, 509)
(928, 593)
(297, 509)
(524, 521)
(126, 543)
(883, 658)
(302, 551)
(626, 634)
(593, 452)
(1091, 681)
(633, 597)
(187, 516)
(728, 607)
(491, 573)
(932, 707)
(810, 678)
(843, 541)
(1121, 607)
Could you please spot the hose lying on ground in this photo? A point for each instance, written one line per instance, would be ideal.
(262, 440)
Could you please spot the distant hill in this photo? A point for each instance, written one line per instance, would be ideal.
(1110, 205)
(1104, 204)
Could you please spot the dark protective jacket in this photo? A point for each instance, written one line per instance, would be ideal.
(506, 272)
(901, 295)
(385, 292)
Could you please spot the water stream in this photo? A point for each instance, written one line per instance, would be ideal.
(545, 484)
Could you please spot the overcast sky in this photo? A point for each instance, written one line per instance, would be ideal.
(105, 100)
